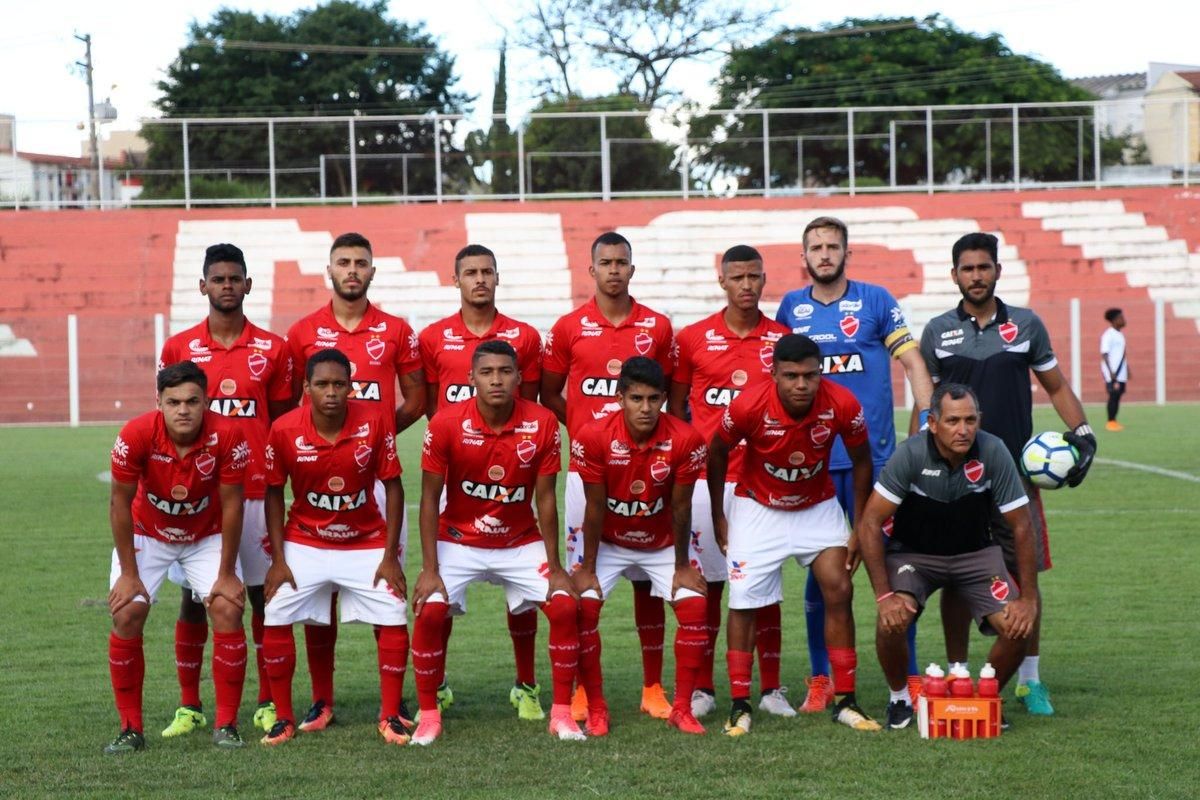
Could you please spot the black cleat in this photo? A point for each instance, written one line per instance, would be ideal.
(127, 741)
(899, 714)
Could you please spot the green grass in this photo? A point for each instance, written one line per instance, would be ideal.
(1120, 654)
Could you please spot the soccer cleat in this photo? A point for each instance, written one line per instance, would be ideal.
(739, 719)
(820, 694)
(318, 718)
(187, 719)
(1113, 425)
(654, 702)
(1004, 723)
(264, 716)
(282, 731)
(915, 687)
(445, 696)
(579, 707)
(684, 721)
(704, 702)
(393, 731)
(406, 717)
(127, 741)
(228, 738)
(775, 702)
(899, 714)
(525, 699)
(563, 725)
(597, 721)
(1036, 698)
(849, 714)
(429, 729)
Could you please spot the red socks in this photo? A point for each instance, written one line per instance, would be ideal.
(523, 630)
(842, 662)
(229, 674)
(320, 641)
(279, 659)
(591, 675)
(127, 668)
(429, 653)
(740, 664)
(562, 611)
(650, 618)
(768, 642)
(393, 657)
(704, 677)
(691, 641)
(264, 683)
(189, 654)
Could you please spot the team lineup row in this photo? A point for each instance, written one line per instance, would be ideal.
(199, 495)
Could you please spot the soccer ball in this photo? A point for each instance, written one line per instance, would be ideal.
(1047, 458)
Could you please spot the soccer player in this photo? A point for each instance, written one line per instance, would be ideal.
(638, 468)
(784, 507)
(943, 486)
(177, 475)
(716, 359)
(1112, 364)
(860, 329)
(491, 455)
(249, 376)
(446, 348)
(584, 352)
(991, 346)
(383, 351)
(333, 452)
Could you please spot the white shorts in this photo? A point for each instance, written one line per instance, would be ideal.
(703, 550)
(761, 539)
(381, 504)
(573, 505)
(656, 566)
(253, 557)
(198, 562)
(319, 572)
(520, 570)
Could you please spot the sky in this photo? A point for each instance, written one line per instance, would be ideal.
(40, 85)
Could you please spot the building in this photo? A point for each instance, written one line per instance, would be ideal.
(1173, 118)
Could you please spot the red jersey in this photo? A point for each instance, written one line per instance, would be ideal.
(178, 499)
(719, 365)
(786, 461)
(490, 475)
(333, 483)
(637, 480)
(243, 379)
(448, 345)
(590, 350)
(380, 349)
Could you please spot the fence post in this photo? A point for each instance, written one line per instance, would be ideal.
(685, 168)
(850, 147)
(437, 157)
(321, 161)
(12, 135)
(1187, 142)
(929, 148)
(605, 165)
(1097, 163)
(353, 162)
(187, 169)
(271, 157)
(73, 368)
(521, 164)
(1076, 350)
(766, 150)
(800, 163)
(892, 153)
(1160, 352)
(987, 139)
(1016, 154)
(160, 337)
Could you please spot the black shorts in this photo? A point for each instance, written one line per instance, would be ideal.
(1041, 539)
(979, 576)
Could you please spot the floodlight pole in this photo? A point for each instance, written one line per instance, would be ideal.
(87, 67)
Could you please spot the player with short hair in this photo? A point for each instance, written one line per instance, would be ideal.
(382, 350)
(860, 329)
(991, 347)
(638, 468)
(249, 376)
(446, 348)
(716, 359)
(1113, 365)
(584, 352)
(177, 475)
(492, 455)
(335, 539)
(943, 487)
(784, 507)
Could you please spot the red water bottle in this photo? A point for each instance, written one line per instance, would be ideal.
(935, 685)
(961, 687)
(989, 688)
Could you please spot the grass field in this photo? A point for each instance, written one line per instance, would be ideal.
(1121, 654)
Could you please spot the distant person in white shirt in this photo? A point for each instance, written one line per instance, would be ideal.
(1112, 364)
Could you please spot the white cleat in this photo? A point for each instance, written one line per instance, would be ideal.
(776, 702)
(563, 726)
(703, 703)
(429, 729)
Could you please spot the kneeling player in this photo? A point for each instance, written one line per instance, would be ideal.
(943, 487)
(176, 499)
(638, 469)
(335, 540)
(784, 507)
(491, 453)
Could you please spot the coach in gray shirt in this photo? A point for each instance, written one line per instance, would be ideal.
(940, 488)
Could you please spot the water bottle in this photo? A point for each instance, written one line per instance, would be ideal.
(961, 687)
(935, 685)
(989, 688)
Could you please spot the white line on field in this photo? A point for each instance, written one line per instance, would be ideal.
(1167, 473)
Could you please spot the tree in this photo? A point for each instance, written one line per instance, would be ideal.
(492, 153)
(340, 58)
(891, 62)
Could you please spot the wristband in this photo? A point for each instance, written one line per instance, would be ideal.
(883, 597)
(923, 419)
(1083, 430)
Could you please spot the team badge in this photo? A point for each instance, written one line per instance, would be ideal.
(796, 458)
(1008, 332)
(496, 472)
(973, 469)
(766, 354)
(999, 589)
(362, 454)
(179, 492)
(659, 470)
(643, 342)
(525, 450)
(820, 433)
(336, 484)
(375, 348)
(205, 463)
(257, 362)
(637, 487)
(613, 366)
(849, 325)
(739, 377)
(228, 386)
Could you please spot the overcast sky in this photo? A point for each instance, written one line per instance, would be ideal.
(39, 84)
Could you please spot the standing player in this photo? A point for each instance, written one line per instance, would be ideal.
(991, 346)
(383, 351)
(177, 476)
(716, 359)
(1112, 364)
(860, 329)
(250, 381)
(333, 452)
(784, 507)
(584, 353)
(638, 468)
(491, 454)
(446, 348)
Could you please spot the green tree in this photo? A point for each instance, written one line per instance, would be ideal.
(340, 58)
(492, 153)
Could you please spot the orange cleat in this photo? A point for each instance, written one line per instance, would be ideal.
(683, 720)
(429, 729)
(579, 706)
(654, 702)
(597, 721)
(820, 694)
(282, 731)
(318, 718)
(393, 731)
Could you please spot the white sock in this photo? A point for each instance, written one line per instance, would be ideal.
(1028, 671)
(900, 696)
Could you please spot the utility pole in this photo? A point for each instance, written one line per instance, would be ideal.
(87, 67)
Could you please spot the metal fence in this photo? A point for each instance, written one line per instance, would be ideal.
(604, 155)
